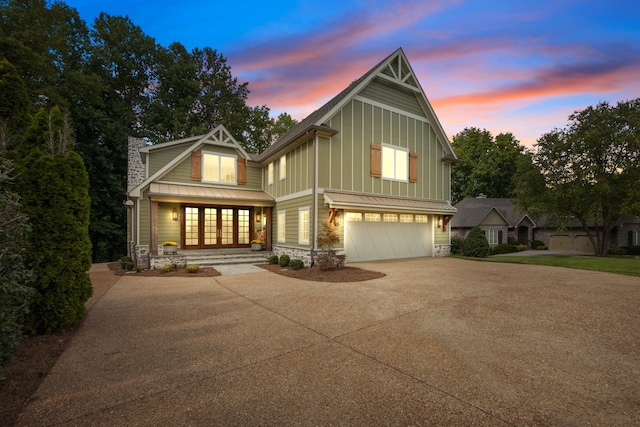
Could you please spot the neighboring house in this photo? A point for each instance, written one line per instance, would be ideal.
(502, 222)
(498, 218)
(373, 160)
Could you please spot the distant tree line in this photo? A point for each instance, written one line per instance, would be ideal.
(587, 173)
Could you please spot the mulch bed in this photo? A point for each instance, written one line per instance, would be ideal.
(315, 274)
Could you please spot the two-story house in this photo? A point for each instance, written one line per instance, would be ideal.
(374, 160)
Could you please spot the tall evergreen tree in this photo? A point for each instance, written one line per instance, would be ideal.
(55, 188)
(14, 106)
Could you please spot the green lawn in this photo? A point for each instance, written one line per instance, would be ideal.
(619, 265)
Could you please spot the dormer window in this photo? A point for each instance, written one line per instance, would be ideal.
(219, 168)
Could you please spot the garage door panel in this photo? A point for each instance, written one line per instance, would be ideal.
(369, 241)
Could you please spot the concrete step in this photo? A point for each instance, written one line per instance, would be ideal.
(226, 259)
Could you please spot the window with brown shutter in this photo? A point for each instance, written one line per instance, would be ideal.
(242, 171)
(196, 166)
(413, 166)
(376, 160)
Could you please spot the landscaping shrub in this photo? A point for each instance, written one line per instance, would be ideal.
(632, 250)
(456, 244)
(169, 267)
(193, 268)
(296, 264)
(273, 259)
(521, 248)
(503, 248)
(513, 241)
(536, 243)
(124, 261)
(476, 244)
(541, 248)
(616, 251)
(284, 260)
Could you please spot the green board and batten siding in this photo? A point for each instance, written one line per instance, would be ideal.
(291, 207)
(346, 156)
(299, 174)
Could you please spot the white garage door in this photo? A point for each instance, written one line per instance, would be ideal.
(370, 240)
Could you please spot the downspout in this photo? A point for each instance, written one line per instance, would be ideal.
(314, 195)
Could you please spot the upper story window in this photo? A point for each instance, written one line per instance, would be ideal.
(283, 167)
(270, 173)
(395, 163)
(219, 168)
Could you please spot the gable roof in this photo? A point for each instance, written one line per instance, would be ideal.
(395, 69)
(219, 136)
(473, 210)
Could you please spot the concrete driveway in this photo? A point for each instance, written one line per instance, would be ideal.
(435, 342)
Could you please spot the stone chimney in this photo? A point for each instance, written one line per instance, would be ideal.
(136, 169)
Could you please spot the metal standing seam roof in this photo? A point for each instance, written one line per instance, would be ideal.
(165, 190)
(343, 200)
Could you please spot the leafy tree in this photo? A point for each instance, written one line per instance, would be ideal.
(486, 166)
(281, 125)
(14, 275)
(587, 172)
(54, 185)
(14, 106)
(476, 244)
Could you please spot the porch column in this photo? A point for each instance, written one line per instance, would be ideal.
(154, 228)
(267, 236)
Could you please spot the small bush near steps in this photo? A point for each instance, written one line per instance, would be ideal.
(273, 259)
(284, 260)
(193, 268)
(296, 264)
(169, 267)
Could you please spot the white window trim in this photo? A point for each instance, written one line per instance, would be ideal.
(395, 155)
(220, 156)
(270, 173)
(283, 167)
(489, 234)
(282, 227)
(301, 240)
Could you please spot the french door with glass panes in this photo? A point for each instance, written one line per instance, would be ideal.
(205, 227)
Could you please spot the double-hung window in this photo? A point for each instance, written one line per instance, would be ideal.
(283, 167)
(395, 163)
(303, 226)
(219, 168)
(282, 232)
(492, 236)
(270, 173)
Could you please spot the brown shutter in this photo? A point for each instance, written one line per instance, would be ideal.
(413, 166)
(196, 166)
(242, 171)
(376, 160)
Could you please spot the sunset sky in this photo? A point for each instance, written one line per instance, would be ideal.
(505, 66)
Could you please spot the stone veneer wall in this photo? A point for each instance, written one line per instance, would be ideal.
(442, 250)
(136, 171)
(294, 253)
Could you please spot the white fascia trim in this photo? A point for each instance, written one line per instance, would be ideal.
(294, 196)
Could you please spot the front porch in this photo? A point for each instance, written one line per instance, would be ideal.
(210, 257)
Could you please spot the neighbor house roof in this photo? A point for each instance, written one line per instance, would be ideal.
(472, 210)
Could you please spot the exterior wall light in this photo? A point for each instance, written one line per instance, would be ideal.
(175, 214)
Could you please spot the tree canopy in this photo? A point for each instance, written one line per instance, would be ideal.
(487, 164)
(587, 172)
(115, 81)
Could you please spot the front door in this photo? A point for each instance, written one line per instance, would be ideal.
(208, 227)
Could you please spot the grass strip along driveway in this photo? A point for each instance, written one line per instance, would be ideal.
(627, 266)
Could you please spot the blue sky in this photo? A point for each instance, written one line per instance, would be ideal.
(505, 66)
